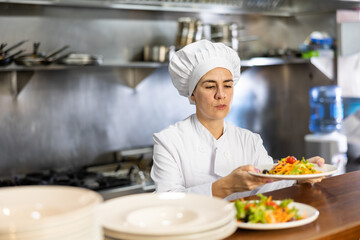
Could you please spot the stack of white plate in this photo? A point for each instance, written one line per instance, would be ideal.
(49, 212)
(167, 216)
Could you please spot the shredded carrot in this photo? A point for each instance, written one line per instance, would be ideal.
(266, 211)
(296, 168)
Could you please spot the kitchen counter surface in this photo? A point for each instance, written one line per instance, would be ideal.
(338, 201)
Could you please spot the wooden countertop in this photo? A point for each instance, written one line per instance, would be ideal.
(338, 201)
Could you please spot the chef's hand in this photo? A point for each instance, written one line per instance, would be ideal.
(320, 162)
(239, 180)
(317, 160)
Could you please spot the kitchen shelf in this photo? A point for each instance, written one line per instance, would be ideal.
(134, 72)
(266, 7)
(258, 61)
(14, 67)
(326, 65)
(284, 8)
(270, 61)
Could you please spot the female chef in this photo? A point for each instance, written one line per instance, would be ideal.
(204, 154)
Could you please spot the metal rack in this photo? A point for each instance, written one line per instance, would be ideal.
(265, 7)
(133, 72)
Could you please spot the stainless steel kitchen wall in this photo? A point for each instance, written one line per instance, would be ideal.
(65, 118)
(273, 101)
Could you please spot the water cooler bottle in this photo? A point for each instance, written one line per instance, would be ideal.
(326, 115)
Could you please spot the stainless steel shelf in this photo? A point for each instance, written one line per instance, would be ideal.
(267, 61)
(265, 7)
(326, 65)
(285, 8)
(134, 72)
(254, 62)
(14, 67)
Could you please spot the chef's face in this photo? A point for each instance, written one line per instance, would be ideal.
(213, 94)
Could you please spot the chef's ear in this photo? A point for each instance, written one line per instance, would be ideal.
(192, 97)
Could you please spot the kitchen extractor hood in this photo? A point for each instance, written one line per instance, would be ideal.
(266, 7)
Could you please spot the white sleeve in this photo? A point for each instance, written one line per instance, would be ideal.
(273, 186)
(166, 171)
(262, 189)
(260, 154)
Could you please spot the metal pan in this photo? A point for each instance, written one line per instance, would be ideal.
(36, 59)
(4, 61)
(5, 52)
(2, 46)
(80, 59)
(34, 54)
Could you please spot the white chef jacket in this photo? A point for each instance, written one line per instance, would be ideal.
(187, 157)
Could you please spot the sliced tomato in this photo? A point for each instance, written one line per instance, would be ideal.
(290, 159)
(247, 206)
(273, 204)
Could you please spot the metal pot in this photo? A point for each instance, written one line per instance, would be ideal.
(158, 53)
(229, 34)
(224, 32)
(189, 30)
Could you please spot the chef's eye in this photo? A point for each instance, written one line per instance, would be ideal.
(210, 87)
(229, 86)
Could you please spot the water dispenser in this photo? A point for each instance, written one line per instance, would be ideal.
(326, 115)
(326, 109)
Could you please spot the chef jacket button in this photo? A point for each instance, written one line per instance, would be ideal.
(202, 149)
(227, 154)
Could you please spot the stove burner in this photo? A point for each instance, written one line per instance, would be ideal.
(79, 178)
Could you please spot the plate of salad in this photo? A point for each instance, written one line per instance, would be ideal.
(267, 214)
(292, 169)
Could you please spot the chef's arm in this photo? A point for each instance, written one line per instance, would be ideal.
(166, 170)
(239, 180)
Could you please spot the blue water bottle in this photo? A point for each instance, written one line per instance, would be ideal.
(326, 109)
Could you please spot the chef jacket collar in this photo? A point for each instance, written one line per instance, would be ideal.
(201, 128)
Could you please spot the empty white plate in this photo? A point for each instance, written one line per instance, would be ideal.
(220, 232)
(165, 213)
(38, 208)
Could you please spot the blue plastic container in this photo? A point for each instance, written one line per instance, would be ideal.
(351, 105)
(326, 109)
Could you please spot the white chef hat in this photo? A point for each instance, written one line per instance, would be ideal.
(193, 61)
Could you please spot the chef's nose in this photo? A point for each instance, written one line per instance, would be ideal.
(220, 93)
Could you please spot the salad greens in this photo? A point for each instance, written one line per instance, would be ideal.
(266, 211)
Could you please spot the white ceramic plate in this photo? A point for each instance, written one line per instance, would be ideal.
(86, 225)
(326, 170)
(311, 215)
(164, 213)
(37, 208)
(217, 233)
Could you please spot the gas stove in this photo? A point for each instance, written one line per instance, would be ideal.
(128, 173)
